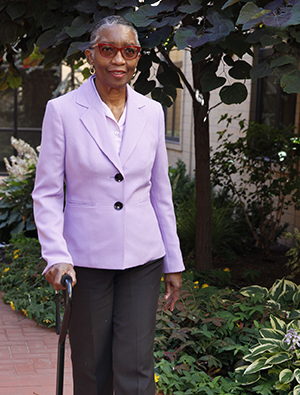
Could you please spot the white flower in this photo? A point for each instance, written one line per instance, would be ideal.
(27, 156)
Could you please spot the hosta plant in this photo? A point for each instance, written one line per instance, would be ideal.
(275, 359)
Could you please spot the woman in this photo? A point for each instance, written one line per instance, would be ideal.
(114, 229)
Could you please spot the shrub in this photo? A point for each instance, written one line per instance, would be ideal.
(182, 185)
(275, 359)
(260, 169)
(16, 212)
(293, 252)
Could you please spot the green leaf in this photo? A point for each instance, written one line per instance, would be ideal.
(276, 323)
(291, 83)
(190, 8)
(240, 70)
(159, 95)
(246, 379)
(210, 81)
(14, 81)
(182, 35)
(19, 228)
(279, 358)
(282, 60)
(3, 216)
(8, 31)
(254, 290)
(256, 366)
(47, 20)
(297, 375)
(248, 12)
(286, 376)
(79, 26)
(229, 3)
(16, 10)
(228, 60)
(234, 94)
(261, 70)
(169, 77)
(296, 390)
(262, 348)
(275, 342)
(272, 333)
(87, 6)
(47, 39)
(267, 40)
(141, 20)
(74, 47)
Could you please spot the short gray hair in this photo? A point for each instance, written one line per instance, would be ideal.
(111, 21)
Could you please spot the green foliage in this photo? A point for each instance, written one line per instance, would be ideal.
(200, 346)
(182, 186)
(23, 285)
(275, 358)
(259, 170)
(293, 252)
(186, 377)
(16, 212)
(228, 228)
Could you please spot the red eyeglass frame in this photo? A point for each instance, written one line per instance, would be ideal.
(99, 45)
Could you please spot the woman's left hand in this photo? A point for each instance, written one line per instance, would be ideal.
(172, 288)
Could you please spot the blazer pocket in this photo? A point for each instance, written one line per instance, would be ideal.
(144, 200)
(75, 203)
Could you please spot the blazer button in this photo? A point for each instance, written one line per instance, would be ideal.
(118, 206)
(119, 177)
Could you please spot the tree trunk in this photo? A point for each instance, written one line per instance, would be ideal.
(203, 253)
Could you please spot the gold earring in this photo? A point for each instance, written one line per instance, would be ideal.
(92, 69)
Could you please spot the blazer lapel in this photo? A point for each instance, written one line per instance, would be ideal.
(135, 123)
(95, 123)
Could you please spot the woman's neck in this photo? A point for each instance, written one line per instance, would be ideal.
(115, 99)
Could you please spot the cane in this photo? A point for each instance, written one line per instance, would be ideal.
(66, 281)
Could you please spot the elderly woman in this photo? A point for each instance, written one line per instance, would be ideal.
(113, 230)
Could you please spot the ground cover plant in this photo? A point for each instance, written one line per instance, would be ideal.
(200, 348)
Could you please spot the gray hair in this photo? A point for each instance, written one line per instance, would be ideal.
(111, 21)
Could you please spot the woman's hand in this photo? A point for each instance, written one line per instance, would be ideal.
(55, 273)
(172, 288)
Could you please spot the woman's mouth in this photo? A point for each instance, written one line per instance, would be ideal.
(117, 73)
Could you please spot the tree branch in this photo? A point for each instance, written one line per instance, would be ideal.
(165, 54)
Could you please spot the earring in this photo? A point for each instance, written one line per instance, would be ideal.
(92, 69)
(134, 74)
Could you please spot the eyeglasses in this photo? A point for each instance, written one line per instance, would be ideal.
(128, 52)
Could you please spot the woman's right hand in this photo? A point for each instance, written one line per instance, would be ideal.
(55, 273)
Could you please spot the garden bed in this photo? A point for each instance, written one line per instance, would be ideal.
(252, 268)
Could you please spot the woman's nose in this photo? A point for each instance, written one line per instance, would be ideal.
(118, 58)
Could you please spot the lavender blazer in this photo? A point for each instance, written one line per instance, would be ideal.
(117, 210)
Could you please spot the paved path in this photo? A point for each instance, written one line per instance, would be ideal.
(28, 355)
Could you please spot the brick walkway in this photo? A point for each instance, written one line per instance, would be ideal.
(28, 355)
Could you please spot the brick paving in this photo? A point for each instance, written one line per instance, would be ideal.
(28, 356)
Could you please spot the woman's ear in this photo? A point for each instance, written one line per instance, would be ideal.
(89, 55)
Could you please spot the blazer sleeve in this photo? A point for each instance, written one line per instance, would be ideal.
(161, 199)
(48, 193)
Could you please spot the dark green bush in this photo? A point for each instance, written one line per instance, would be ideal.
(16, 205)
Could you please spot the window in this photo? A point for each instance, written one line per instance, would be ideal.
(22, 109)
(172, 117)
(273, 106)
(173, 113)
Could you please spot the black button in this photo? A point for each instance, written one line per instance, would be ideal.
(119, 177)
(118, 206)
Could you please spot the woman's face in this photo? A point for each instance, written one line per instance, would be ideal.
(116, 72)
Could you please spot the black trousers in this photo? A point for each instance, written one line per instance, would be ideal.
(112, 330)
